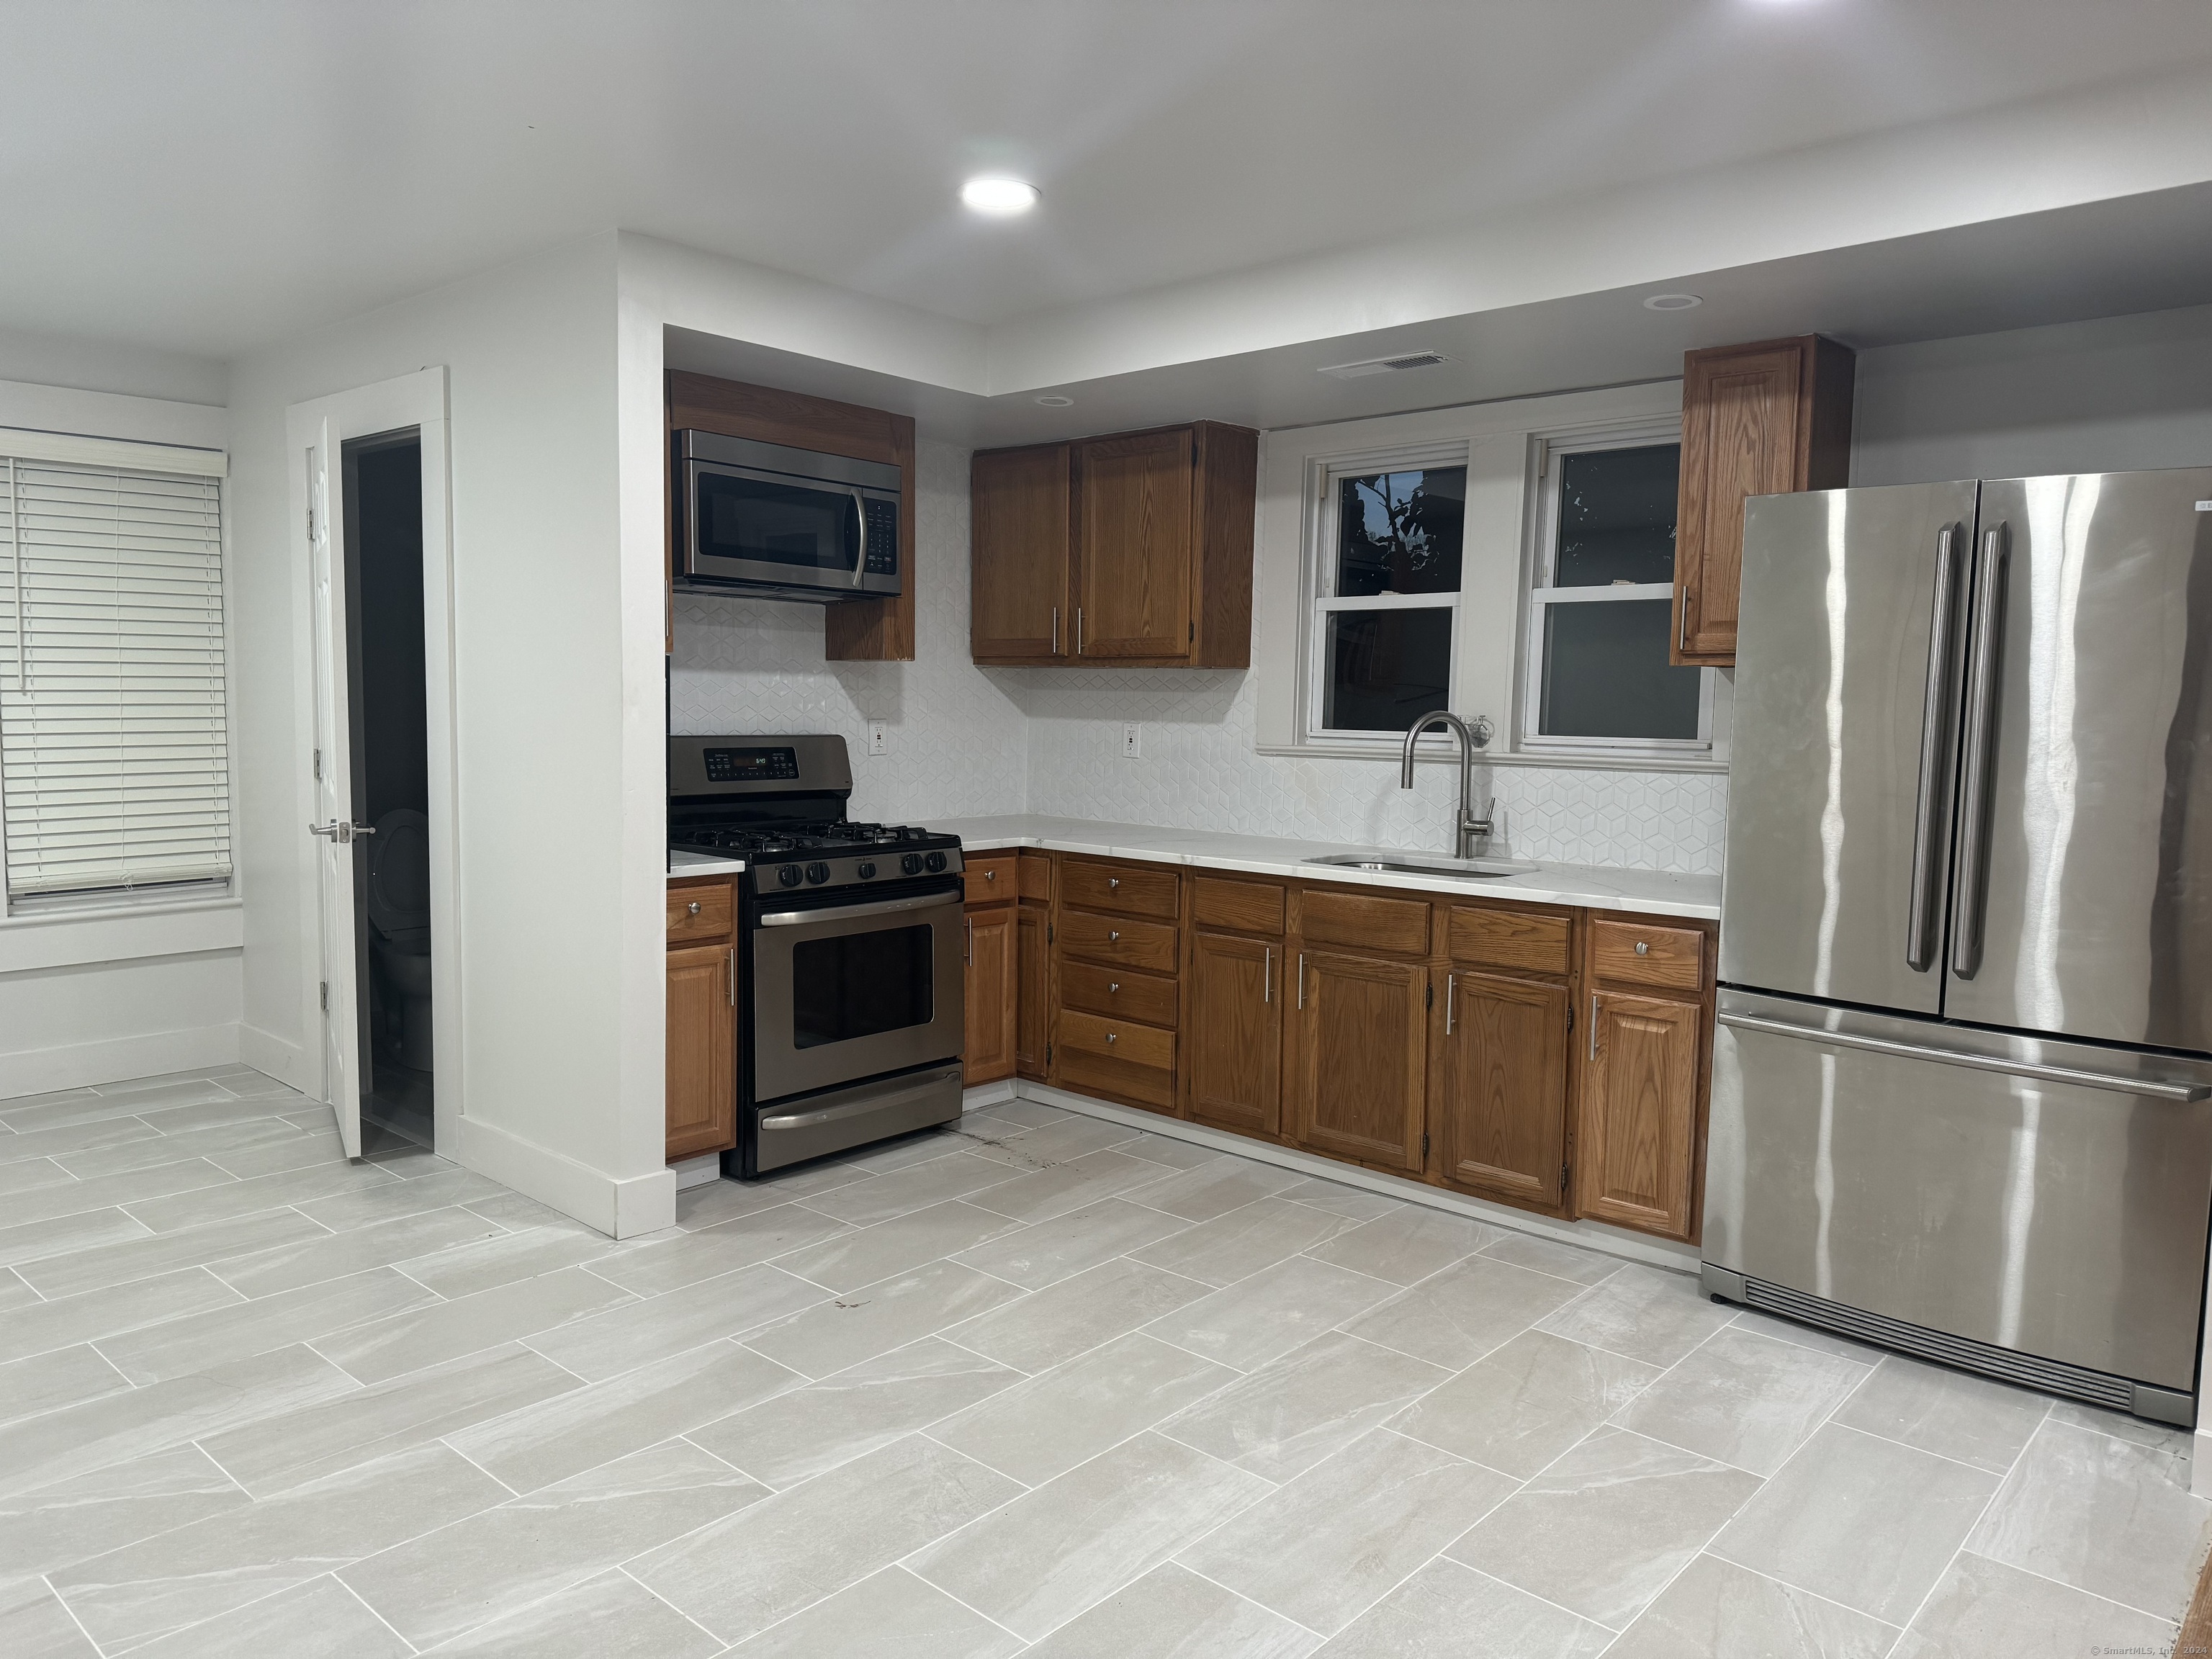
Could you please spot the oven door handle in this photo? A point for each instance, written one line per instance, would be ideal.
(874, 908)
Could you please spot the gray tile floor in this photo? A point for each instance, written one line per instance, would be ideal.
(1041, 1384)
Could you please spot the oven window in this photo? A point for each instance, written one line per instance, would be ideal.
(776, 523)
(858, 985)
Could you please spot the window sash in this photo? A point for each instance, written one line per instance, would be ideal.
(115, 762)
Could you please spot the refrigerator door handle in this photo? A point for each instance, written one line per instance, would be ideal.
(1969, 905)
(1935, 723)
(2148, 1087)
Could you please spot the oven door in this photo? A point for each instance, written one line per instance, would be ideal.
(817, 539)
(842, 992)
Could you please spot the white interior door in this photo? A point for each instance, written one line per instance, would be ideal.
(333, 827)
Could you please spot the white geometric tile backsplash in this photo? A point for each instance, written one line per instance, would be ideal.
(969, 742)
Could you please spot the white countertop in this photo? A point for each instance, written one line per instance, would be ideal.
(681, 863)
(1644, 892)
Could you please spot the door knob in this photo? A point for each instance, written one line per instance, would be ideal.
(339, 831)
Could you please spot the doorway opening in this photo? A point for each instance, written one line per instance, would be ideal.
(388, 717)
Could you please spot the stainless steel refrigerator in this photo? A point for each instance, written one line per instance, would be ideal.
(1962, 1081)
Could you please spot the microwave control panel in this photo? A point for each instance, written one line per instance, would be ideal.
(883, 539)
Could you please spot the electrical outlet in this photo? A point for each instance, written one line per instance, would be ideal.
(1133, 740)
(879, 738)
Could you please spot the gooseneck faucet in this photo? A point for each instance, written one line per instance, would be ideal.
(1470, 829)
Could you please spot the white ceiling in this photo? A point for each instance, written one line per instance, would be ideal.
(204, 175)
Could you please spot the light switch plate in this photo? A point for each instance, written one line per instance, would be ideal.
(1133, 740)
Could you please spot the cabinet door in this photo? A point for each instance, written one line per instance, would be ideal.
(1032, 962)
(1762, 419)
(1501, 1086)
(1636, 1145)
(1234, 1034)
(1359, 1053)
(1133, 557)
(702, 1050)
(993, 982)
(1021, 542)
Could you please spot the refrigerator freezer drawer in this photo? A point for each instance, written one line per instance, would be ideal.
(2051, 1199)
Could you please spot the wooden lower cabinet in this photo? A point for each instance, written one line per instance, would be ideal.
(702, 1050)
(1498, 1107)
(1637, 1156)
(1233, 1032)
(993, 978)
(1032, 996)
(1358, 1058)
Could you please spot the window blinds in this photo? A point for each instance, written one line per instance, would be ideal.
(114, 773)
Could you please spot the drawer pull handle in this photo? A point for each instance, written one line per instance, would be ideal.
(1643, 949)
(1451, 984)
(1111, 1037)
(695, 907)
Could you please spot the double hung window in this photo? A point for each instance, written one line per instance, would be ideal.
(114, 765)
(1387, 608)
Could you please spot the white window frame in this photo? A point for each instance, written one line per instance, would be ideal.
(1320, 577)
(1549, 448)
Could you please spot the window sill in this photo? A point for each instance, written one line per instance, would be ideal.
(1434, 752)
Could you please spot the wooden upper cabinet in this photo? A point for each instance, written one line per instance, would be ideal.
(1021, 543)
(1501, 1086)
(1636, 1152)
(1233, 1032)
(1134, 548)
(855, 630)
(1764, 419)
(1359, 1057)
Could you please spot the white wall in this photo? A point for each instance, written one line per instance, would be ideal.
(94, 996)
(2111, 395)
(958, 741)
(558, 670)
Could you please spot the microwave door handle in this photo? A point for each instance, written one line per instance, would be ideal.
(861, 546)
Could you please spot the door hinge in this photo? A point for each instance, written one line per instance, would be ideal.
(1047, 1056)
(323, 994)
(311, 524)
(1564, 1169)
(1429, 996)
(1048, 932)
(1571, 1019)
(319, 766)
(1425, 1145)
(1194, 633)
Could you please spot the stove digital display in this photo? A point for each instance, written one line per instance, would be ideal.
(746, 765)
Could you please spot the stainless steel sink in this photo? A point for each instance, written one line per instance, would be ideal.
(1451, 869)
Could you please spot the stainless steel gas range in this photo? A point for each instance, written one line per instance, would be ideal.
(850, 937)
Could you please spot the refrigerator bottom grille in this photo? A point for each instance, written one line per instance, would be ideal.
(2050, 1376)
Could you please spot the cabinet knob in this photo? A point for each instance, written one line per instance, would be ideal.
(990, 875)
(1112, 935)
(1111, 1037)
(1113, 881)
(1643, 949)
(695, 907)
(1113, 986)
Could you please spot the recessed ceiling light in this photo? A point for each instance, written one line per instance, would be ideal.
(1672, 302)
(1054, 400)
(999, 197)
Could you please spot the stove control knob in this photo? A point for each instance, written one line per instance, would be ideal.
(911, 863)
(935, 861)
(817, 873)
(864, 870)
(788, 876)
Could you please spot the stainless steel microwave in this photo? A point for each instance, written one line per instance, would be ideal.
(785, 523)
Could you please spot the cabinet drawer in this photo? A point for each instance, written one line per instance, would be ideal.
(1364, 921)
(990, 878)
(1117, 1058)
(1036, 875)
(1510, 939)
(1118, 940)
(1127, 888)
(1118, 993)
(1632, 953)
(1241, 907)
(698, 912)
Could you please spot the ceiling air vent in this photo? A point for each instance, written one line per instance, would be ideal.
(1386, 365)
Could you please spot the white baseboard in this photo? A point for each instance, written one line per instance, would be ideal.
(2200, 1463)
(116, 1059)
(987, 1094)
(622, 1208)
(271, 1055)
(1593, 1236)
